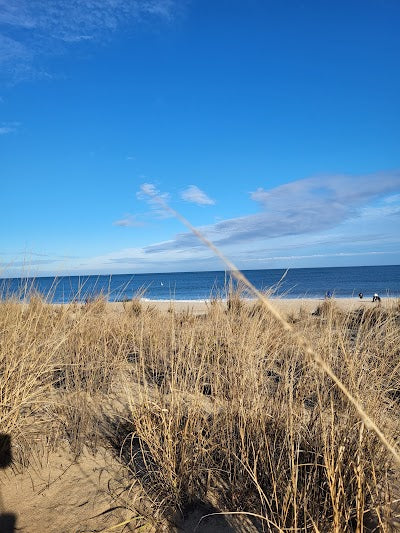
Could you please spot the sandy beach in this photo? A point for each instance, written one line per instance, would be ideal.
(284, 305)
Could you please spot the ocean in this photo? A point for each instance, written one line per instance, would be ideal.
(343, 282)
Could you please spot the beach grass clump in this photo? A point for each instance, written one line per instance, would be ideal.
(28, 346)
(133, 306)
(326, 309)
(95, 304)
(223, 408)
(235, 292)
(271, 432)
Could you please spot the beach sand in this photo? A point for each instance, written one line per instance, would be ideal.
(285, 305)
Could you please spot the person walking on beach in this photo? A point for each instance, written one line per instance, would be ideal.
(376, 298)
(360, 295)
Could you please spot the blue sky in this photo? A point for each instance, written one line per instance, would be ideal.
(272, 126)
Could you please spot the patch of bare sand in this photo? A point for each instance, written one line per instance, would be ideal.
(66, 494)
(96, 492)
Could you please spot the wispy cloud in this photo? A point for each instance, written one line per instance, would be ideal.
(301, 207)
(12, 50)
(68, 18)
(394, 198)
(136, 259)
(31, 29)
(315, 256)
(148, 190)
(155, 198)
(381, 211)
(196, 196)
(299, 224)
(8, 127)
(128, 221)
(28, 263)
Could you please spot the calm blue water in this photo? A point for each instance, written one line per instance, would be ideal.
(298, 283)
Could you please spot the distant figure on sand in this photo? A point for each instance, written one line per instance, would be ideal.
(376, 298)
(328, 295)
(360, 295)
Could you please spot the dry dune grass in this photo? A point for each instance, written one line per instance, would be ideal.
(222, 409)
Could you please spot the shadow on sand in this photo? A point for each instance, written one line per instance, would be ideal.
(7, 520)
(199, 517)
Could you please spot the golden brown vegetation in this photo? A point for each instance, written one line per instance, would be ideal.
(221, 408)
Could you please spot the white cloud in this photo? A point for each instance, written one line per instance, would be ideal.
(8, 127)
(394, 198)
(5, 129)
(374, 213)
(148, 190)
(29, 263)
(196, 196)
(68, 18)
(14, 13)
(298, 208)
(128, 221)
(137, 259)
(156, 199)
(31, 29)
(77, 38)
(300, 224)
(314, 256)
(12, 51)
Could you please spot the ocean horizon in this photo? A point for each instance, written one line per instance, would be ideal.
(342, 282)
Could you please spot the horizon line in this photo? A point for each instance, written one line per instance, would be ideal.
(189, 272)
